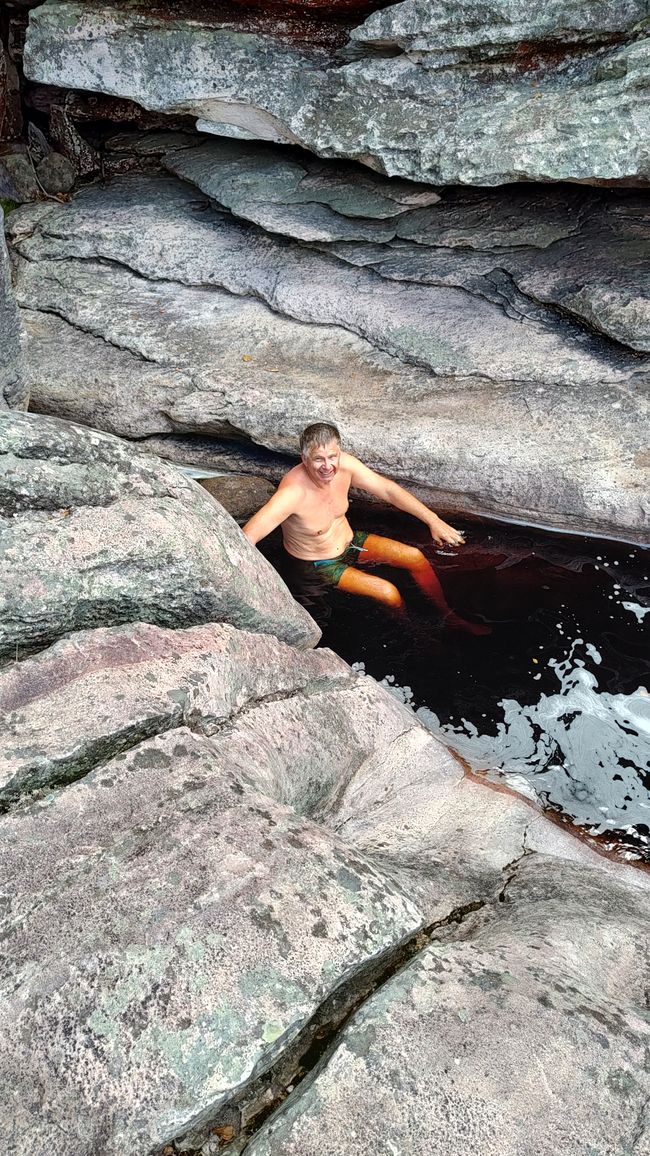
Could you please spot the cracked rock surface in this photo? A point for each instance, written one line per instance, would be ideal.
(457, 384)
(94, 534)
(470, 92)
(12, 391)
(519, 1039)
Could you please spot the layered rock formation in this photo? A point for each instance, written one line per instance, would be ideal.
(94, 534)
(465, 93)
(463, 328)
(217, 847)
(12, 390)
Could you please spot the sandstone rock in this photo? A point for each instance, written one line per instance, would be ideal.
(240, 494)
(479, 29)
(489, 1046)
(296, 195)
(186, 928)
(81, 155)
(99, 692)
(219, 454)
(483, 421)
(56, 173)
(38, 144)
(501, 96)
(584, 252)
(95, 535)
(13, 394)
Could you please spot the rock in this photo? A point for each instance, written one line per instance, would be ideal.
(473, 408)
(240, 494)
(94, 534)
(186, 928)
(38, 144)
(13, 393)
(546, 97)
(17, 180)
(516, 1040)
(11, 116)
(55, 173)
(291, 193)
(480, 29)
(215, 454)
(100, 692)
(81, 155)
(581, 251)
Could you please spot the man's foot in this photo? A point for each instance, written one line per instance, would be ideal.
(455, 622)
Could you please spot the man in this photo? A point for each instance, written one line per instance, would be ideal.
(311, 504)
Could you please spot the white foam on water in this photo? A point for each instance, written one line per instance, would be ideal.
(569, 745)
(566, 748)
(636, 609)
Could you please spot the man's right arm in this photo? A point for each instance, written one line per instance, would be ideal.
(281, 506)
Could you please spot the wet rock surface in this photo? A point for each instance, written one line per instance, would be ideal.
(470, 94)
(94, 535)
(467, 356)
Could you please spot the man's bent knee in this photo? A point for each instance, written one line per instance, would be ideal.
(389, 594)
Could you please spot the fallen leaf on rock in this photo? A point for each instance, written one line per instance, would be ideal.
(247, 357)
(225, 1132)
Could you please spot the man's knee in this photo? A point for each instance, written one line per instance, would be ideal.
(389, 594)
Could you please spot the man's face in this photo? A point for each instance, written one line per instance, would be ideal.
(322, 464)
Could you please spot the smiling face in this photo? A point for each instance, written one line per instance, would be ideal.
(322, 463)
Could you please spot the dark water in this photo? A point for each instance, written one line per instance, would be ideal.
(555, 700)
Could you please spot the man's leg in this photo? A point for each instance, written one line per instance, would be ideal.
(392, 553)
(353, 581)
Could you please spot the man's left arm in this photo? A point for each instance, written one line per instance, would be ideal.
(363, 478)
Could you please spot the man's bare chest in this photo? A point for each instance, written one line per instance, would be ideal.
(319, 511)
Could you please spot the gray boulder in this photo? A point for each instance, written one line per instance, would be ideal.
(500, 96)
(100, 692)
(186, 929)
(474, 408)
(55, 173)
(520, 1039)
(583, 252)
(93, 534)
(13, 394)
(17, 178)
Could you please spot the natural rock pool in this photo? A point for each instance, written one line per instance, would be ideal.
(555, 701)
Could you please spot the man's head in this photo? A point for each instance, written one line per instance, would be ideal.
(320, 449)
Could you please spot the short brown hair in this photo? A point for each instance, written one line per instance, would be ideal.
(318, 434)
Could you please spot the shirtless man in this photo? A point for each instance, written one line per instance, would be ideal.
(311, 505)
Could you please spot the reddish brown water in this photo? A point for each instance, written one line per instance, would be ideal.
(555, 700)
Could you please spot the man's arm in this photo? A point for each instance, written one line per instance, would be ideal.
(279, 507)
(363, 478)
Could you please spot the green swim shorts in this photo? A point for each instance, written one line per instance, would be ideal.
(331, 569)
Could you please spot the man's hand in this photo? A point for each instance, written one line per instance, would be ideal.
(444, 535)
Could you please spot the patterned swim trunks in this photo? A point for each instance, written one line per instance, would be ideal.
(331, 569)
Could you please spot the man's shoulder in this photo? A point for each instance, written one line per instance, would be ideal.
(349, 462)
(294, 480)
